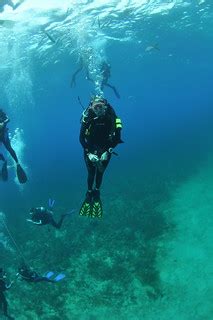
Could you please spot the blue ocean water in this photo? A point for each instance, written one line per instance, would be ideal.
(128, 265)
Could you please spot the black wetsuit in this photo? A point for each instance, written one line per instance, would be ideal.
(106, 73)
(4, 139)
(81, 67)
(31, 276)
(3, 301)
(97, 135)
(45, 216)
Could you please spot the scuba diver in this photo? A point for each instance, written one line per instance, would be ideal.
(10, 4)
(29, 275)
(42, 216)
(100, 133)
(105, 75)
(4, 139)
(81, 67)
(3, 287)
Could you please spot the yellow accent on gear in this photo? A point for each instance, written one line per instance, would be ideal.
(118, 123)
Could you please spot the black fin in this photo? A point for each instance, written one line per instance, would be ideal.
(22, 177)
(4, 172)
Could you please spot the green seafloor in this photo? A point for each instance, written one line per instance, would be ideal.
(150, 257)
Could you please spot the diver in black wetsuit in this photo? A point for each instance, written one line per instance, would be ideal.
(42, 216)
(25, 273)
(100, 133)
(105, 70)
(81, 67)
(106, 73)
(3, 287)
(4, 139)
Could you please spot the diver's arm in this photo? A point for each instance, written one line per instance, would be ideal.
(34, 222)
(115, 137)
(73, 83)
(9, 148)
(82, 136)
(114, 89)
(8, 286)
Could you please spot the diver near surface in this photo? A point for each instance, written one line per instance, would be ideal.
(10, 4)
(29, 275)
(100, 133)
(3, 287)
(81, 67)
(4, 139)
(105, 71)
(42, 216)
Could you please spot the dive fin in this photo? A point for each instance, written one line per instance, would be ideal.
(49, 274)
(51, 203)
(4, 172)
(97, 211)
(59, 277)
(86, 209)
(22, 177)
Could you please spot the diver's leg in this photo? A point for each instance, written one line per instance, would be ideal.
(114, 89)
(2, 158)
(90, 178)
(43, 279)
(91, 173)
(4, 304)
(1, 301)
(58, 224)
(99, 174)
(73, 80)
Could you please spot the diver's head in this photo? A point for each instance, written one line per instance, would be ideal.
(99, 106)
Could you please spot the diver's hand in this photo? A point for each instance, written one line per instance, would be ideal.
(34, 222)
(93, 157)
(105, 156)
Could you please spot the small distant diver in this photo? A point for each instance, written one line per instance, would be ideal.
(42, 216)
(10, 4)
(4, 139)
(49, 36)
(105, 70)
(4, 286)
(27, 274)
(106, 73)
(81, 67)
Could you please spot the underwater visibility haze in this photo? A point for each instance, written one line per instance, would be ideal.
(150, 256)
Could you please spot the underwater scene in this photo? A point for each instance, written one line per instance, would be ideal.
(106, 159)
